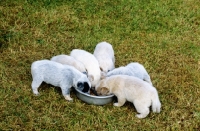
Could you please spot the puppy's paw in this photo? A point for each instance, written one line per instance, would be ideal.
(116, 104)
(140, 116)
(36, 94)
(68, 98)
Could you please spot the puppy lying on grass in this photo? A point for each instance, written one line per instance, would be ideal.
(132, 89)
(132, 69)
(56, 74)
(68, 60)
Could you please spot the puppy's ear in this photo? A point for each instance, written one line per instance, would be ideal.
(104, 91)
(86, 87)
(101, 68)
(91, 78)
(85, 73)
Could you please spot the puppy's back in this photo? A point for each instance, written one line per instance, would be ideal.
(42, 65)
(69, 60)
(130, 84)
(138, 70)
(90, 63)
(104, 48)
(83, 56)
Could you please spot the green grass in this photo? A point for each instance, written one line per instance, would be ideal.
(164, 36)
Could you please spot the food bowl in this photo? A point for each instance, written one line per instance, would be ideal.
(95, 100)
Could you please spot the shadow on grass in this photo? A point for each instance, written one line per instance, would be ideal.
(47, 87)
(5, 36)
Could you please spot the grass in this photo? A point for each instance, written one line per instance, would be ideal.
(164, 36)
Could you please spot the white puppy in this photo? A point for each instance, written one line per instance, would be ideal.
(56, 74)
(91, 64)
(68, 60)
(132, 69)
(132, 89)
(105, 56)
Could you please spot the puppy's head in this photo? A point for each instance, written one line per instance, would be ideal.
(102, 89)
(83, 86)
(104, 70)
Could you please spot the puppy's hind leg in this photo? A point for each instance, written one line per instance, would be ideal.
(121, 101)
(35, 85)
(141, 108)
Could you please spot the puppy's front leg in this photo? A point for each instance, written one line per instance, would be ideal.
(121, 101)
(66, 93)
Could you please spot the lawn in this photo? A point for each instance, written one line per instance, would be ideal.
(164, 36)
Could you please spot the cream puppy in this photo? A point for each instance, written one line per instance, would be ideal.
(68, 60)
(132, 89)
(91, 64)
(105, 56)
(132, 69)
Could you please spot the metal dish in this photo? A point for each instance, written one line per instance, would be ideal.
(95, 100)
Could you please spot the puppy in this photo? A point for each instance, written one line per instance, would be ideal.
(105, 55)
(56, 74)
(132, 69)
(90, 62)
(68, 60)
(132, 89)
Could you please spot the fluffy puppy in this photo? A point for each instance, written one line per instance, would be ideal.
(104, 53)
(132, 89)
(68, 60)
(56, 74)
(132, 69)
(90, 62)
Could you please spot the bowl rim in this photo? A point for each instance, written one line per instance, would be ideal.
(92, 95)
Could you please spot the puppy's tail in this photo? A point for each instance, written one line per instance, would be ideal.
(156, 105)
